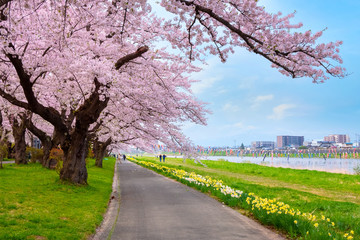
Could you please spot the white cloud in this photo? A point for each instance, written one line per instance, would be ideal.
(207, 77)
(261, 99)
(281, 111)
(264, 98)
(230, 107)
(204, 84)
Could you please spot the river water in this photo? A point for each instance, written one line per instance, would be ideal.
(334, 165)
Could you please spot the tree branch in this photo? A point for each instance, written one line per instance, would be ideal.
(130, 57)
(4, 2)
(48, 113)
(13, 100)
(241, 34)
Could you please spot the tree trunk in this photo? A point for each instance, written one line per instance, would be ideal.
(10, 149)
(100, 151)
(46, 141)
(74, 167)
(20, 145)
(100, 154)
(74, 144)
(46, 146)
(99, 157)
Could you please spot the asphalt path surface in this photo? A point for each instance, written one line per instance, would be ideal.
(154, 207)
(8, 162)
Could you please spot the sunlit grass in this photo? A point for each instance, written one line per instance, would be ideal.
(34, 204)
(287, 185)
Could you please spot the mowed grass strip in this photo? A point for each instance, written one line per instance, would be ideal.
(35, 204)
(333, 195)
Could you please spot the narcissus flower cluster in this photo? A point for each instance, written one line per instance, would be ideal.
(307, 223)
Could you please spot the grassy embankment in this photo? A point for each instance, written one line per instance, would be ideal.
(34, 204)
(336, 196)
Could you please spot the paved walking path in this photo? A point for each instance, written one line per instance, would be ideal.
(153, 207)
(7, 162)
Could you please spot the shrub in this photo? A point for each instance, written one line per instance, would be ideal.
(3, 151)
(90, 153)
(35, 153)
(57, 155)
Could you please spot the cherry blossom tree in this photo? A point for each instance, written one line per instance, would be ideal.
(4, 134)
(45, 132)
(149, 111)
(70, 62)
(14, 124)
(220, 26)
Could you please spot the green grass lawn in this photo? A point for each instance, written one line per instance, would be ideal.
(34, 204)
(336, 196)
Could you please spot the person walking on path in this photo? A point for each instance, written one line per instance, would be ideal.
(160, 157)
(164, 156)
(124, 157)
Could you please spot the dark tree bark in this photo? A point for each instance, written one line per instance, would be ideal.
(4, 2)
(73, 140)
(100, 151)
(2, 137)
(10, 149)
(75, 146)
(19, 138)
(46, 142)
(74, 167)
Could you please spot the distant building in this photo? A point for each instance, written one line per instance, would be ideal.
(337, 138)
(263, 144)
(36, 142)
(289, 141)
(326, 144)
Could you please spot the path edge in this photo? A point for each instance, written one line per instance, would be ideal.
(106, 228)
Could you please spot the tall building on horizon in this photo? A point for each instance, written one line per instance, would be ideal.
(288, 141)
(337, 138)
(263, 144)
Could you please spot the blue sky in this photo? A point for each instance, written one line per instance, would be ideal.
(251, 101)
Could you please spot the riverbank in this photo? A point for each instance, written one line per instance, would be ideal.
(336, 196)
(332, 165)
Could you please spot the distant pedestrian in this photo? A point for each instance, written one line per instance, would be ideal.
(124, 157)
(160, 156)
(164, 156)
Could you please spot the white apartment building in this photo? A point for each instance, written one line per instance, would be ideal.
(337, 138)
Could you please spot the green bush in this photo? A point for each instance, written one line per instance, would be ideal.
(35, 153)
(58, 156)
(3, 151)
